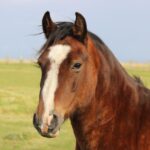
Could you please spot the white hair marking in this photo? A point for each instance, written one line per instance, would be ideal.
(57, 55)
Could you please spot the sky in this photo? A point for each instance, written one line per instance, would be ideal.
(124, 26)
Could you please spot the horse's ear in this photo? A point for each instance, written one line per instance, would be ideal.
(47, 24)
(79, 28)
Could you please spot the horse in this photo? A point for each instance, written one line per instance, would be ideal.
(82, 80)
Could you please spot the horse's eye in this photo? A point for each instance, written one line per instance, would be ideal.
(76, 66)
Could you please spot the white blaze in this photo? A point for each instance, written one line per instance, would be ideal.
(57, 55)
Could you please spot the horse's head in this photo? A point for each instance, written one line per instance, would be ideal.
(67, 69)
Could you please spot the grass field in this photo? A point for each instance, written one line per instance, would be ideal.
(19, 88)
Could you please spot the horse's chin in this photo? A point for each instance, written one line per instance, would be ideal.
(51, 134)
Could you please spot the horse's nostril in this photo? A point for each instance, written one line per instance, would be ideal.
(54, 123)
(35, 120)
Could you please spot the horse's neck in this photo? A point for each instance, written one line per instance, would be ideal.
(94, 124)
(115, 91)
(113, 81)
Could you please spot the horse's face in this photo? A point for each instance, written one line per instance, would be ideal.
(65, 82)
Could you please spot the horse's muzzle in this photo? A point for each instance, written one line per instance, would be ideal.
(51, 130)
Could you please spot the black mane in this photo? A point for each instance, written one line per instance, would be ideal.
(65, 29)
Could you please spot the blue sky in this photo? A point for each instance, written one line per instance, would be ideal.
(123, 25)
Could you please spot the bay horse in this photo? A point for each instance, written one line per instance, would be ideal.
(83, 81)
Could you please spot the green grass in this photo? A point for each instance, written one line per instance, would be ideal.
(140, 70)
(19, 89)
